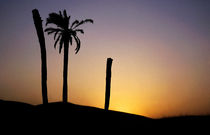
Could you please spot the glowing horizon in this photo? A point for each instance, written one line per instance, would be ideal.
(160, 51)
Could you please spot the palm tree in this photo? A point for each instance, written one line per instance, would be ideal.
(64, 35)
(38, 24)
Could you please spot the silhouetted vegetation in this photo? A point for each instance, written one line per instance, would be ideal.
(38, 25)
(108, 82)
(64, 35)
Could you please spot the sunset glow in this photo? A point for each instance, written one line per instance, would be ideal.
(160, 51)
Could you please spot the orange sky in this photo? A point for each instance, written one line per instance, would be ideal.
(161, 55)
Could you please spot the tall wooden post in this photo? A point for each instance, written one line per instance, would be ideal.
(40, 34)
(108, 82)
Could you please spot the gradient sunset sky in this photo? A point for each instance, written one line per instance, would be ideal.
(160, 51)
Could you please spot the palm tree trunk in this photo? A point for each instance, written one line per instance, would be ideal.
(65, 72)
(40, 34)
(108, 82)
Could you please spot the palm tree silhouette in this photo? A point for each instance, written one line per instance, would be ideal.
(64, 34)
(38, 25)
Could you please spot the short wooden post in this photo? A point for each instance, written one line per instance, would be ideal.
(108, 82)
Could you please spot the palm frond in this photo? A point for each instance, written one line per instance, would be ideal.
(52, 29)
(60, 14)
(79, 30)
(50, 32)
(56, 19)
(70, 39)
(55, 34)
(57, 41)
(82, 22)
(65, 14)
(77, 44)
(75, 22)
(89, 20)
(66, 19)
(61, 44)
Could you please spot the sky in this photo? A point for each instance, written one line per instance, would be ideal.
(160, 51)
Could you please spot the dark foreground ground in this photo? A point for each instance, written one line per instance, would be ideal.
(69, 118)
